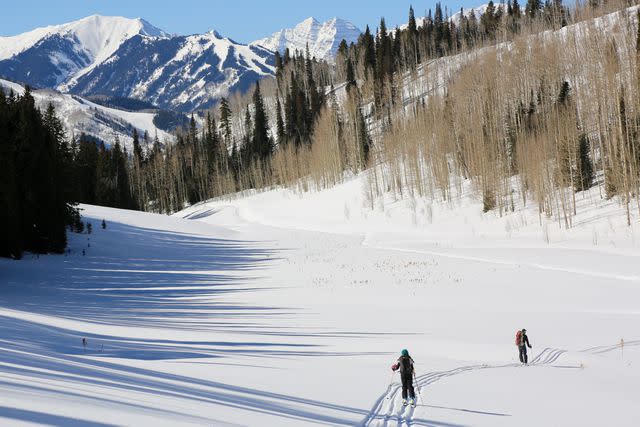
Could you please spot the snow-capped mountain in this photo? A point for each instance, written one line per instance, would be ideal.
(117, 56)
(82, 116)
(55, 55)
(323, 38)
(477, 11)
(181, 72)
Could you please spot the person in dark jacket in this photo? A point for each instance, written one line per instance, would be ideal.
(522, 346)
(405, 366)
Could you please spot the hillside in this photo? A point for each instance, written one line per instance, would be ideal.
(82, 116)
(433, 192)
(59, 54)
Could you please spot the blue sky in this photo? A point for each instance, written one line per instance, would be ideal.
(242, 20)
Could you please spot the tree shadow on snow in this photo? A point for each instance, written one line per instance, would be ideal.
(160, 280)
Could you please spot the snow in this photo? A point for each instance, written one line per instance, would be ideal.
(196, 85)
(82, 116)
(278, 308)
(477, 11)
(98, 36)
(323, 38)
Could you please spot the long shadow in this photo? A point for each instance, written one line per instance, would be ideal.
(46, 418)
(164, 280)
(38, 366)
(497, 414)
(164, 277)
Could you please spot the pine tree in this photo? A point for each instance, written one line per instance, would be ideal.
(516, 9)
(533, 8)
(412, 26)
(86, 165)
(412, 51)
(583, 173)
(280, 131)
(364, 140)
(351, 78)
(225, 121)
(212, 144)
(314, 96)
(261, 142)
(368, 44)
(137, 149)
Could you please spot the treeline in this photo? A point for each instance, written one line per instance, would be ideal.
(259, 144)
(519, 120)
(36, 204)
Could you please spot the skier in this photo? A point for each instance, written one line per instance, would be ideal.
(405, 365)
(522, 341)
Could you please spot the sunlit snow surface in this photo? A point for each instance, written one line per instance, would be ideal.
(279, 309)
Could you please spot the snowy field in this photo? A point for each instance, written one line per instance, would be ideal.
(277, 309)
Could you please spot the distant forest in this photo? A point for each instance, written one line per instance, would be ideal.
(500, 99)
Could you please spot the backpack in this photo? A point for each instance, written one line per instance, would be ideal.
(519, 338)
(406, 364)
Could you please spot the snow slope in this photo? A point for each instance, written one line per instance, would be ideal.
(70, 50)
(323, 38)
(278, 309)
(82, 116)
(182, 72)
(115, 56)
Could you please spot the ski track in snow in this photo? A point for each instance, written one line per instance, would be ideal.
(385, 414)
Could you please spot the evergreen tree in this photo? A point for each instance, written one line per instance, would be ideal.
(280, 131)
(516, 9)
(314, 96)
(212, 144)
(225, 121)
(137, 149)
(364, 140)
(368, 44)
(583, 173)
(533, 8)
(36, 197)
(86, 165)
(261, 142)
(351, 77)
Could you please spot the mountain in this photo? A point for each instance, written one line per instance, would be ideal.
(80, 115)
(323, 38)
(130, 58)
(58, 54)
(180, 72)
(477, 11)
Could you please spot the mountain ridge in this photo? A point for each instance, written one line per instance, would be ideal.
(323, 38)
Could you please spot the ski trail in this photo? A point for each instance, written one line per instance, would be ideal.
(609, 348)
(384, 411)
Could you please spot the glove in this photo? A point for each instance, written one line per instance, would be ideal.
(395, 367)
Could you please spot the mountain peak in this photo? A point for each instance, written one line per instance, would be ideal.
(323, 38)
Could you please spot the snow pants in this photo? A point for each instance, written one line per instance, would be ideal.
(523, 353)
(407, 386)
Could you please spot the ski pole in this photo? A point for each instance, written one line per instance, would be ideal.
(417, 387)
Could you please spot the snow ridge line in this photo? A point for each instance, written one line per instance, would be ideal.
(383, 414)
